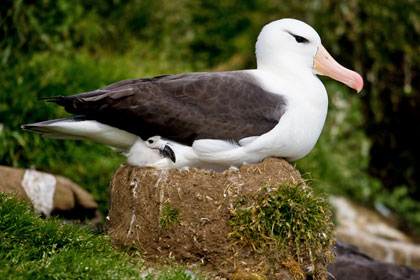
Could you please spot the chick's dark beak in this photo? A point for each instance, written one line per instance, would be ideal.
(166, 151)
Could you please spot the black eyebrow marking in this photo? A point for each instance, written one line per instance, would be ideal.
(298, 38)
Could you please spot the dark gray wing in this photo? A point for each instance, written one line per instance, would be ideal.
(184, 107)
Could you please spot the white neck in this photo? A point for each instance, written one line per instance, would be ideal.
(292, 76)
(284, 63)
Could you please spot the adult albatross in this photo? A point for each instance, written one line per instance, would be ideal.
(214, 120)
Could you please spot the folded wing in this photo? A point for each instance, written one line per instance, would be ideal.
(184, 107)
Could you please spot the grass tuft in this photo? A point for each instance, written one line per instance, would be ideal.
(286, 221)
(168, 217)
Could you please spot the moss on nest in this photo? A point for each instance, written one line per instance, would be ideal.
(286, 222)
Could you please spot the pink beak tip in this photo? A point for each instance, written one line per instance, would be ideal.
(358, 82)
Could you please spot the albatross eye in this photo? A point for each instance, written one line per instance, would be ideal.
(300, 39)
(150, 141)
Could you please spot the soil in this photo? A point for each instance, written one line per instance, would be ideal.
(203, 199)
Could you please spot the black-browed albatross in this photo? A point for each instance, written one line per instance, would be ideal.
(214, 120)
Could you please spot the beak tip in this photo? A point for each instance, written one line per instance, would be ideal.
(358, 83)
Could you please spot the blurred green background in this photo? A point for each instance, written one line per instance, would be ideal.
(367, 150)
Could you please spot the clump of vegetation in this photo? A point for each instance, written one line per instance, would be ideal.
(286, 222)
(168, 217)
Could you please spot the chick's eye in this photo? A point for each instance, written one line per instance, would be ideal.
(300, 39)
(150, 141)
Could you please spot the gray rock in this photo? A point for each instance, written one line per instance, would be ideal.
(351, 264)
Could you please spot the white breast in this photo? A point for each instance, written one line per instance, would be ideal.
(301, 125)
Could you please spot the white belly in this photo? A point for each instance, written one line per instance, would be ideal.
(297, 132)
(301, 125)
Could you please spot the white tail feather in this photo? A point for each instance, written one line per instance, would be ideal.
(85, 130)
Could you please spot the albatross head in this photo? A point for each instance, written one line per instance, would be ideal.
(290, 46)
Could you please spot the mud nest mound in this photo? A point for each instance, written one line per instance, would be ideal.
(257, 222)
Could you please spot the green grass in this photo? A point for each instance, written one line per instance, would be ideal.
(34, 248)
(168, 217)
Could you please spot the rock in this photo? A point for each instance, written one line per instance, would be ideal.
(184, 215)
(351, 264)
(50, 195)
(374, 234)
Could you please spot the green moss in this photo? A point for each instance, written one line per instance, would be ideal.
(168, 217)
(286, 221)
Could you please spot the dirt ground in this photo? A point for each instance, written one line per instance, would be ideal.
(202, 200)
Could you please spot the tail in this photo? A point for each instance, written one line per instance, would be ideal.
(80, 128)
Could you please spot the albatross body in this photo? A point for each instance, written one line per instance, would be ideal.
(214, 120)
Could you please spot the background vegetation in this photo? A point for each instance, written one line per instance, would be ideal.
(368, 147)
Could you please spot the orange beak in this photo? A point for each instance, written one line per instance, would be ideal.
(325, 64)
